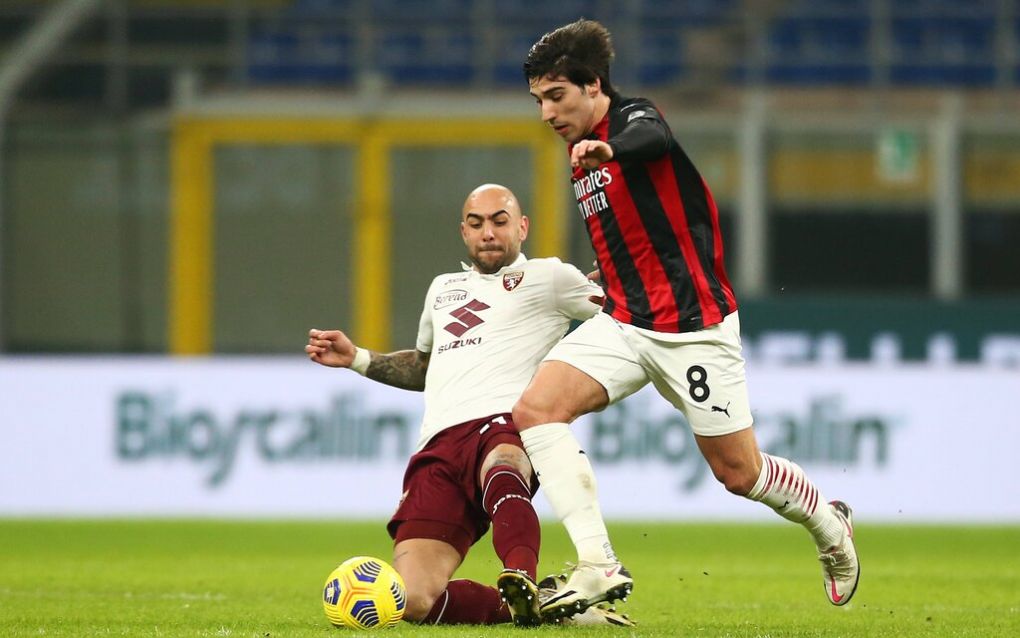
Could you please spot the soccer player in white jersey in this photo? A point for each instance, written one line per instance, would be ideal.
(481, 336)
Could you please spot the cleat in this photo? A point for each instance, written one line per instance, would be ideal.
(840, 567)
(588, 585)
(548, 586)
(594, 615)
(521, 595)
(601, 614)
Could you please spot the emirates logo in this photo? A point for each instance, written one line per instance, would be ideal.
(512, 279)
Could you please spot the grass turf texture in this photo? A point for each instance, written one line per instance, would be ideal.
(264, 579)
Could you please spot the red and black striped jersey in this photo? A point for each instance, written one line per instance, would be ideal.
(654, 225)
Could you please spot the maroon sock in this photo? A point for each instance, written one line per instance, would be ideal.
(516, 534)
(466, 602)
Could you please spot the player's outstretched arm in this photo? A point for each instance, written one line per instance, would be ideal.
(403, 369)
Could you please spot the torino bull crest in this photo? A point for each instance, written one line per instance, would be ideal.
(512, 279)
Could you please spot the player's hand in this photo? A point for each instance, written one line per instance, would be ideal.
(588, 154)
(330, 348)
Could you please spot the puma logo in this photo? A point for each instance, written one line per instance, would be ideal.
(725, 410)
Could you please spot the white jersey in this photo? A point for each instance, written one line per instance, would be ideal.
(488, 333)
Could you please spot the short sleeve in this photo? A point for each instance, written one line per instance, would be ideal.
(572, 291)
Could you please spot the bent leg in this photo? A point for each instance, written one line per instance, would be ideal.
(426, 566)
(505, 483)
(505, 480)
(779, 483)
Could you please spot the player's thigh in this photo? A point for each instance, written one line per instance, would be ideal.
(558, 393)
(437, 501)
(588, 369)
(426, 565)
(702, 376)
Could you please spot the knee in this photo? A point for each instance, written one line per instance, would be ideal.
(737, 479)
(506, 456)
(420, 601)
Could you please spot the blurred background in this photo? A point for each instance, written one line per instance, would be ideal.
(214, 177)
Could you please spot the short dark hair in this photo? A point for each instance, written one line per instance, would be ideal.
(580, 51)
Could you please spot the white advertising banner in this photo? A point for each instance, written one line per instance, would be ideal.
(283, 437)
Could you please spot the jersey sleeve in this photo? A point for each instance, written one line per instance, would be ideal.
(645, 135)
(425, 334)
(572, 289)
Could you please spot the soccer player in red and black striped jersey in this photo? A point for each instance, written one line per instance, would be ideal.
(669, 318)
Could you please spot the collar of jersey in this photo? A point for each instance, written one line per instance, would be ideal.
(517, 262)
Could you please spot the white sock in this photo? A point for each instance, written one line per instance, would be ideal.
(783, 486)
(568, 481)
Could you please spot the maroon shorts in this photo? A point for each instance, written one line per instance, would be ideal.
(442, 499)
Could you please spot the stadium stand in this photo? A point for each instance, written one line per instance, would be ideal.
(480, 43)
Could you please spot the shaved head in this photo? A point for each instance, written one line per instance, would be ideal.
(493, 227)
(489, 198)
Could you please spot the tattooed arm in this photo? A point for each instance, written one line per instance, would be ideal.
(404, 369)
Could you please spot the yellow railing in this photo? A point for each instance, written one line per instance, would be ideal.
(192, 263)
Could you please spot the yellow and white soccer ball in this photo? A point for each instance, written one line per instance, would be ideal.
(364, 593)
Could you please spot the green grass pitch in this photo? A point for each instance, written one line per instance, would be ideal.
(263, 579)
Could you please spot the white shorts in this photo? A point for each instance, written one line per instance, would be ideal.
(701, 373)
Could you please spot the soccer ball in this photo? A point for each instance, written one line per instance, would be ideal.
(364, 593)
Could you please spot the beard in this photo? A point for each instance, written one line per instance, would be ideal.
(490, 261)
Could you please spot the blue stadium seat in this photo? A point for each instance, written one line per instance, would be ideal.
(815, 42)
(936, 7)
(831, 8)
(300, 56)
(965, 75)
(549, 14)
(423, 11)
(510, 50)
(686, 13)
(434, 58)
(819, 49)
(267, 51)
(785, 39)
(321, 8)
(944, 50)
(661, 57)
(804, 8)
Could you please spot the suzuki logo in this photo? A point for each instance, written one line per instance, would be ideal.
(466, 319)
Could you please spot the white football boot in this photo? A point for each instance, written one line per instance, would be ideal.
(595, 615)
(588, 585)
(840, 567)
